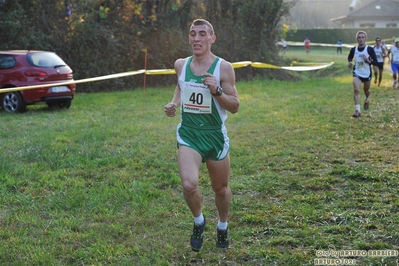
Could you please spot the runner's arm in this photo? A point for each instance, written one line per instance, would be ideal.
(170, 108)
(229, 99)
(350, 57)
(373, 56)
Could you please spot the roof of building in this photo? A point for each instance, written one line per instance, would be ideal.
(377, 9)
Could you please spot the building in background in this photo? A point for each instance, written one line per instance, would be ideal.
(378, 14)
(323, 14)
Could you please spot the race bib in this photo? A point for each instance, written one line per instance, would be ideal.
(396, 57)
(360, 63)
(197, 99)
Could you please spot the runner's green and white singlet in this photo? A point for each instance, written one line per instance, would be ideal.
(201, 113)
(198, 107)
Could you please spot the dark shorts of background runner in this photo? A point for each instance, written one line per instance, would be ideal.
(380, 65)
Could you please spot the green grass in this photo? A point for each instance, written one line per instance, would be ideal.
(98, 184)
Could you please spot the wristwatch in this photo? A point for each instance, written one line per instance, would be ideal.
(219, 91)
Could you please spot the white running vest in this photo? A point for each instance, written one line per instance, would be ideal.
(378, 53)
(362, 69)
(395, 55)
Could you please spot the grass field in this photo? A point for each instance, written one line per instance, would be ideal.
(98, 184)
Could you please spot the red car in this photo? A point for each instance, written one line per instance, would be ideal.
(19, 68)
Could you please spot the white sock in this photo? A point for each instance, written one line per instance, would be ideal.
(222, 225)
(199, 220)
(358, 107)
(367, 99)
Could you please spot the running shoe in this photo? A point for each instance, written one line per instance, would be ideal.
(223, 238)
(394, 84)
(356, 114)
(197, 238)
(366, 105)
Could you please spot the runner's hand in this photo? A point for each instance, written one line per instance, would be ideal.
(210, 81)
(170, 109)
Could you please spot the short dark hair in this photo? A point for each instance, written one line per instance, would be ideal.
(201, 21)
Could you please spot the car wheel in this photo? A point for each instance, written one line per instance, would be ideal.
(12, 102)
(64, 104)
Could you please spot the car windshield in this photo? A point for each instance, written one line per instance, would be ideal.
(44, 59)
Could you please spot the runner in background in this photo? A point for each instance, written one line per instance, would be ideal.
(284, 45)
(307, 45)
(380, 53)
(393, 56)
(339, 47)
(364, 57)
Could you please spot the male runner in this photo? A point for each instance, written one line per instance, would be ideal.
(364, 57)
(205, 92)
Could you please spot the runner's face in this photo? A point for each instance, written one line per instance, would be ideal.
(361, 39)
(200, 39)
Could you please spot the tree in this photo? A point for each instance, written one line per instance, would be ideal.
(245, 29)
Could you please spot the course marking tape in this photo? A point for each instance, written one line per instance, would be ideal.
(112, 76)
(314, 66)
(307, 68)
(347, 45)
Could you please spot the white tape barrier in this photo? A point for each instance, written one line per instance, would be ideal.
(307, 68)
(346, 45)
(313, 66)
(318, 44)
